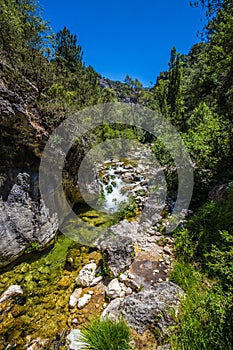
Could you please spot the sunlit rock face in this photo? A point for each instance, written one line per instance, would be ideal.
(23, 222)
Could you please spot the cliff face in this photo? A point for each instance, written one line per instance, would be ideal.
(23, 222)
(24, 218)
(22, 140)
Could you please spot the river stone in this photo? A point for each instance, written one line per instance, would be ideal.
(148, 309)
(75, 340)
(75, 297)
(10, 293)
(114, 289)
(95, 281)
(83, 301)
(118, 247)
(86, 275)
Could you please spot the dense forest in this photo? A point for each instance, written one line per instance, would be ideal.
(47, 71)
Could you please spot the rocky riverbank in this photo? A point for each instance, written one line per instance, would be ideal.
(47, 299)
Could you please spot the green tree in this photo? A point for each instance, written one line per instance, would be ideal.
(175, 93)
(66, 49)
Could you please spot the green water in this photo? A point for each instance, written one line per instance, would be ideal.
(47, 281)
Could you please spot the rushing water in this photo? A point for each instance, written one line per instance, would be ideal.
(115, 191)
(112, 191)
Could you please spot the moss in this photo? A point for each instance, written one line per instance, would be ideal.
(47, 285)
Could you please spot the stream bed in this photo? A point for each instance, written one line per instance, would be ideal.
(48, 279)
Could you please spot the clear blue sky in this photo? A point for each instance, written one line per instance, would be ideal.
(127, 37)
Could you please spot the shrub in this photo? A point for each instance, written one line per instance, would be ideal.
(205, 320)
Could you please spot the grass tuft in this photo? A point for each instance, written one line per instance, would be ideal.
(106, 334)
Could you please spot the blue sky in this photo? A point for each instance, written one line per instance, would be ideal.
(127, 37)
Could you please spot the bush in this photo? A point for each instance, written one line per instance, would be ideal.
(105, 334)
(204, 269)
(205, 320)
(208, 239)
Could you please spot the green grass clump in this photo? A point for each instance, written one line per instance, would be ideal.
(204, 269)
(205, 319)
(106, 334)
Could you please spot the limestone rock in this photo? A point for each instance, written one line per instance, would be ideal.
(75, 340)
(87, 275)
(115, 289)
(95, 281)
(151, 308)
(118, 248)
(23, 221)
(75, 297)
(83, 301)
(10, 293)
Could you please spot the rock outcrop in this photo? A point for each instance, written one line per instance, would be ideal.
(23, 222)
(23, 136)
(148, 309)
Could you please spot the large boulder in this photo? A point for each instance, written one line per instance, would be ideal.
(23, 221)
(117, 243)
(149, 309)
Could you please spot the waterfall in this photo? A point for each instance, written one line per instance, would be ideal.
(115, 188)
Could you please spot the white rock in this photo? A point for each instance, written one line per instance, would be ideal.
(10, 292)
(75, 297)
(114, 289)
(75, 340)
(111, 310)
(123, 277)
(96, 281)
(167, 250)
(128, 291)
(75, 321)
(83, 301)
(87, 275)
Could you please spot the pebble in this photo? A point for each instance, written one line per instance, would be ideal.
(75, 321)
(167, 250)
(96, 281)
(87, 275)
(83, 301)
(123, 277)
(75, 297)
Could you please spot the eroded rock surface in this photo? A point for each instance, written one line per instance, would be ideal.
(87, 275)
(23, 221)
(148, 309)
